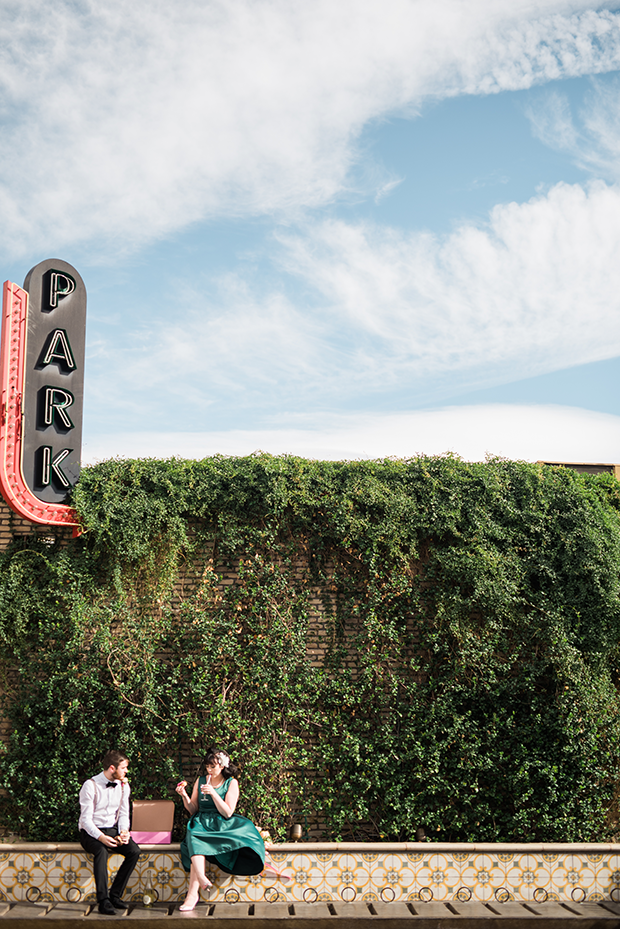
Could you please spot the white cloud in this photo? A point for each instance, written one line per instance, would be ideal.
(548, 433)
(536, 289)
(238, 349)
(127, 121)
(552, 121)
(591, 136)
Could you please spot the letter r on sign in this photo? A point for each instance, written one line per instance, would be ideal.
(57, 401)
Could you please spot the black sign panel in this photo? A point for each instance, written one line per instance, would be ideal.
(53, 380)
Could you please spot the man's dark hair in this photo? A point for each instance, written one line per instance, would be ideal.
(113, 758)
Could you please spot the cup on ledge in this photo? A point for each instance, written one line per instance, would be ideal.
(296, 832)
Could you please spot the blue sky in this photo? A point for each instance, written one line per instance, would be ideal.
(338, 229)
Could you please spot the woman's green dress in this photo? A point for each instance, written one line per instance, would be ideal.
(234, 844)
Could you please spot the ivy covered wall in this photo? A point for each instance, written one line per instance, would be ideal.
(382, 645)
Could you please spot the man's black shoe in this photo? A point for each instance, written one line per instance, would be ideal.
(118, 904)
(106, 908)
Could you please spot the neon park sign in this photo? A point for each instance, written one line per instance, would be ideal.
(42, 383)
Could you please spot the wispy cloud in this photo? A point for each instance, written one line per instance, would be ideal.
(489, 180)
(123, 122)
(386, 188)
(590, 134)
(535, 289)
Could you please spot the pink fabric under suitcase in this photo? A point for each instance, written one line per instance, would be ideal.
(151, 838)
(151, 822)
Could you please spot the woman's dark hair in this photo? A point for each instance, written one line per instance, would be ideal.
(211, 758)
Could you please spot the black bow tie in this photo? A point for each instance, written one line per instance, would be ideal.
(111, 784)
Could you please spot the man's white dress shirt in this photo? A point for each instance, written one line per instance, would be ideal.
(102, 807)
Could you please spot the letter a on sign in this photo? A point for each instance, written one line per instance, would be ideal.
(58, 350)
(42, 379)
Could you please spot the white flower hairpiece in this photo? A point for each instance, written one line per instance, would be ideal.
(222, 759)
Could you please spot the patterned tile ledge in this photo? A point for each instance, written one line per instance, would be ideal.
(337, 871)
(534, 847)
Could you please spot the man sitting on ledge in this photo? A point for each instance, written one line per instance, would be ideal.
(104, 829)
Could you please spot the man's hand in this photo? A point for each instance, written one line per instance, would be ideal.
(123, 837)
(108, 840)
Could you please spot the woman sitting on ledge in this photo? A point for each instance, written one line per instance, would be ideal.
(215, 832)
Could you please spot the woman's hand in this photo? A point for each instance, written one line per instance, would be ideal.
(227, 807)
(190, 803)
(208, 789)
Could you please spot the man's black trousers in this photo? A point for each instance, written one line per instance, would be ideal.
(130, 853)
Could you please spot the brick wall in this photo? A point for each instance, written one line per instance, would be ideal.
(13, 526)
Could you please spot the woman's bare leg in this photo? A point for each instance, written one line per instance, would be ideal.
(198, 864)
(197, 881)
(191, 898)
